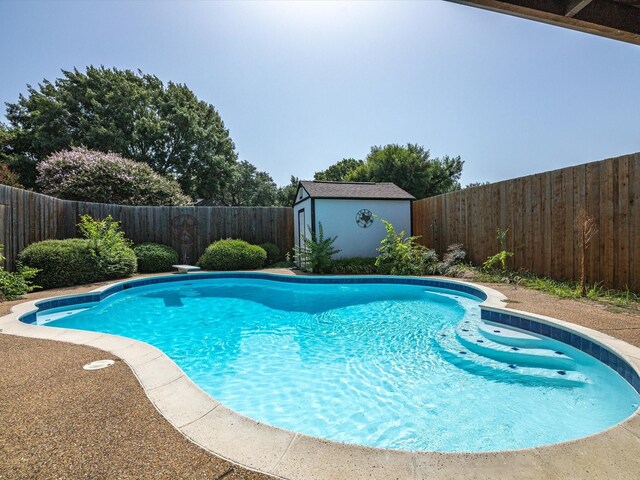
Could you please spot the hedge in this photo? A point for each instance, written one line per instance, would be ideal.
(273, 253)
(73, 261)
(155, 257)
(232, 254)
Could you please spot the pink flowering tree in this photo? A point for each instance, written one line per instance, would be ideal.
(92, 176)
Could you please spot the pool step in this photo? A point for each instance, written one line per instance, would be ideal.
(61, 312)
(472, 337)
(513, 338)
(457, 353)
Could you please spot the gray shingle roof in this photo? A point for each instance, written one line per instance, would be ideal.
(385, 190)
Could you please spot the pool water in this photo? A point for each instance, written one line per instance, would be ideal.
(384, 365)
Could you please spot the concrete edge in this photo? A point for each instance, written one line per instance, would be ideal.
(285, 454)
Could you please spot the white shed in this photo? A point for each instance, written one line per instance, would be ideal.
(346, 210)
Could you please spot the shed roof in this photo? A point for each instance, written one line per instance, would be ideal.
(371, 190)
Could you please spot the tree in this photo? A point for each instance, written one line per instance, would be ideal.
(287, 194)
(7, 177)
(131, 114)
(338, 171)
(248, 186)
(91, 176)
(8, 174)
(411, 168)
(476, 184)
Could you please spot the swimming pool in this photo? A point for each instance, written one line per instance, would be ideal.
(378, 361)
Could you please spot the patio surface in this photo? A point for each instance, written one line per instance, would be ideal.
(59, 421)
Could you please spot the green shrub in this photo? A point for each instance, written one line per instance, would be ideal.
(500, 258)
(452, 260)
(427, 260)
(273, 253)
(14, 285)
(61, 263)
(232, 254)
(103, 255)
(112, 250)
(400, 255)
(353, 266)
(155, 257)
(461, 270)
(315, 254)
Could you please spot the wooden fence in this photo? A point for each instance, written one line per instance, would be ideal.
(540, 213)
(27, 217)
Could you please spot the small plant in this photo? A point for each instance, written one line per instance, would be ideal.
(396, 252)
(587, 228)
(232, 254)
(500, 258)
(111, 249)
(315, 253)
(428, 263)
(155, 257)
(462, 271)
(400, 255)
(286, 263)
(273, 253)
(452, 259)
(14, 285)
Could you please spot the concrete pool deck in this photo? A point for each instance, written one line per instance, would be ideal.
(614, 453)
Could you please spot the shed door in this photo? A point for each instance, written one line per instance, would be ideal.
(302, 225)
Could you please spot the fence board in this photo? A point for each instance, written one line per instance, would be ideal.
(557, 225)
(540, 211)
(622, 228)
(567, 224)
(606, 221)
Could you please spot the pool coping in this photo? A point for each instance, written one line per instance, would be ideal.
(286, 454)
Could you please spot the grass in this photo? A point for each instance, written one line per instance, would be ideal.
(563, 289)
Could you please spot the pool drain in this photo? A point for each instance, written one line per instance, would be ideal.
(98, 364)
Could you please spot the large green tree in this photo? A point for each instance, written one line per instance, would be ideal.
(408, 166)
(10, 173)
(130, 113)
(338, 171)
(287, 194)
(249, 186)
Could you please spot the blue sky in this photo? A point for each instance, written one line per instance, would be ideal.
(303, 85)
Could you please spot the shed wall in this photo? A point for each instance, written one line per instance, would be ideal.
(338, 218)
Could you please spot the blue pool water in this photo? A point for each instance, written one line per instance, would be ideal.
(392, 366)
